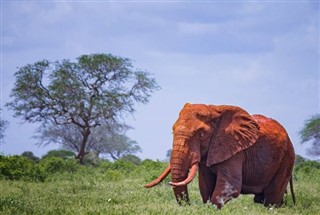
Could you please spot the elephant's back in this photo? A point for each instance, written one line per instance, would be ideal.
(274, 139)
(271, 130)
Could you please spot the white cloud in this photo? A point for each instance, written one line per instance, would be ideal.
(262, 56)
(197, 28)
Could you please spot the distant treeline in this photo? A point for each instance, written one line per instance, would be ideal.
(28, 167)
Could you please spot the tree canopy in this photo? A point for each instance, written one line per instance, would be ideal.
(109, 141)
(3, 125)
(30, 155)
(311, 132)
(95, 90)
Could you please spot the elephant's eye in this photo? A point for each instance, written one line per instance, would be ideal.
(201, 134)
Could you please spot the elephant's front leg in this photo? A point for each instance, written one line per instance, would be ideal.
(229, 181)
(207, 182)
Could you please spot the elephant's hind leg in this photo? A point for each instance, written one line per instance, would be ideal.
(275, 191)
(274, 194)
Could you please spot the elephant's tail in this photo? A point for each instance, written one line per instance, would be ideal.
(292, 192)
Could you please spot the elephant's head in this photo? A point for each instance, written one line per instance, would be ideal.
(207, 133)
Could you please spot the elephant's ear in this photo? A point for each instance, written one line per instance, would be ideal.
(235, 130)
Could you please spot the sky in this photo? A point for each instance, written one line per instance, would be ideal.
(260, 55)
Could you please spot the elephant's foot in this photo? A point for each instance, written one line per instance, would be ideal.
(259, 198)
(225, 195)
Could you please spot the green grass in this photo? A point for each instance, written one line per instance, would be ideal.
(97, 191)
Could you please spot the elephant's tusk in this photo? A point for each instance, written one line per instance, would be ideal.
(160, 178)
(190, 177)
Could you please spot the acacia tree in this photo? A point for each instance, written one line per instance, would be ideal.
(3, 125)
(112, 142)
(311, 132)
(67, 136)
(93, 91)
(108, 140)
(168, 155)
(116, 146)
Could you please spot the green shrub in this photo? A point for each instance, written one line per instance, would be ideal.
(152, 169)
(91, 159)
(53, 165)
(123, 166)
(16, 167)
(30, 155)
(64, 154)
(105, 165)
(150, 164)
(116, 170)
(307, 166)
(22, 168)
(132, 159)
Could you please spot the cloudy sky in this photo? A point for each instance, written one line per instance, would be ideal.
(262, 56)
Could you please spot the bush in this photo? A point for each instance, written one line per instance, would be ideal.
(22, 168)
(30, 155)
(117, 170)
(53, 165)
(153, 165)
(152, 169)
(91, 159)
(299, 159)
(307, 166)
(132, 159)
(16, 167)
(123, 166)
(64, 154)
(105, 165)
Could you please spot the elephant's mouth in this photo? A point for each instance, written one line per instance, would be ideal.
(165, 173)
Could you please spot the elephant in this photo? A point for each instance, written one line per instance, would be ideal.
(233, 152)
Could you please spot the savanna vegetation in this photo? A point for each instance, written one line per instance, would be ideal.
(58, 184)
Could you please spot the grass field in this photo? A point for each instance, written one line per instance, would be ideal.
(116, 191)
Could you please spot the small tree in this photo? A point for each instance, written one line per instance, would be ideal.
(67, 136)
(103, 140)
(114, 145)
(120, 146)
(64, 154)
(3, 125)
(311, 132)
(299, 159)
(168, 155)
(93, 91)
(30, 155)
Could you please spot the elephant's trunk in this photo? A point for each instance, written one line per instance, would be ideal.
(192, 174)
(180, 163)
(181, 160)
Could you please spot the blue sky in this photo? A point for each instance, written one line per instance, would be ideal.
(259, 55)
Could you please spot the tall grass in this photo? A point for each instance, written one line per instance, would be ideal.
(119, 189)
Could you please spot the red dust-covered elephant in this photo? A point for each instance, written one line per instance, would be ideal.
(235, 153)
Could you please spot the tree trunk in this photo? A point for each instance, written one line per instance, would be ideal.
(82, 151)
